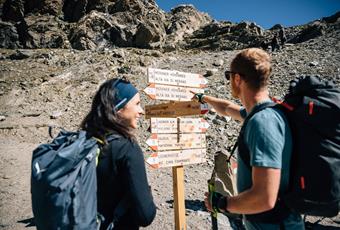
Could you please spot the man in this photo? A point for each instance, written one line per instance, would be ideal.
(282, 35)
(275, 43)
(267, 141)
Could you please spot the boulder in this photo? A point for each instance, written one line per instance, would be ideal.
(184, 20)
(149, 35)
(89, 31)
(9, 37)
(311, 31)
(226, 36)
(333, 18)
(74, 10)
(13, 10)
(42, 32)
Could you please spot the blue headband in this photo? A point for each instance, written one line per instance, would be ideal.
(124, 92)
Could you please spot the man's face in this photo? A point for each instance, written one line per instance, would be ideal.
(235, 90)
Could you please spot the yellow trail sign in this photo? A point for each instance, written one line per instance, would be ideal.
(175, 109)
(172, 77)
(167, 141)
(178, 125)
(171, 93)
(176, 158)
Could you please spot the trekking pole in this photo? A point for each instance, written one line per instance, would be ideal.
(212, 214)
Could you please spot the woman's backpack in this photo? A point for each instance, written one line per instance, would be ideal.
(64, 183)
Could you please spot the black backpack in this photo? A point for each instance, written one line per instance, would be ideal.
(312, 107)
(64, 183)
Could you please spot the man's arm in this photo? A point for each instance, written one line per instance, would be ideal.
(261, 196)
(224, 107)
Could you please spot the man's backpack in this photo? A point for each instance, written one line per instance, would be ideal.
(312, 107)
(64, 183)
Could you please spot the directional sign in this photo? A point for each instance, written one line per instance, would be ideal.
(185, 125)
(176, 158)
(172, 93)
(171, 77)
(175, 109)
(167, 141)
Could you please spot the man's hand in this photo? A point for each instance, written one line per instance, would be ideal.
(197, 97)
(212, 200)
(206, 202)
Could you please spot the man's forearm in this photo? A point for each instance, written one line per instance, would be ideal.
(224, 107)
(261, 196)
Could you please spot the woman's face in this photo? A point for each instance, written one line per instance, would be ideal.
(131, 112)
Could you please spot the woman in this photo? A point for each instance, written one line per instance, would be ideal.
(124, 197)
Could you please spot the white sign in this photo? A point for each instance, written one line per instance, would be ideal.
(172, 77)
(167, 141)
(176, 158)
(172, 93)
(185, 125)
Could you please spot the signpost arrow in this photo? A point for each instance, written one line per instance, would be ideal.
(172, 93)
(175, 109)
(185, 125)
(171, 77)
(176, 141)
(176, 157)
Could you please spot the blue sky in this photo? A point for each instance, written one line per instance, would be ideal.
(265, 13)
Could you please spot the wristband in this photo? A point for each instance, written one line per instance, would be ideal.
(199, 96)
(222, 204)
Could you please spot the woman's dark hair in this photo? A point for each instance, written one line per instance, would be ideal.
(103, 118)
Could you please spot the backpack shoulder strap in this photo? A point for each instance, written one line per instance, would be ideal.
(123, 204)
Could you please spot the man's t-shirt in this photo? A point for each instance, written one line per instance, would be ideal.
(269, 140)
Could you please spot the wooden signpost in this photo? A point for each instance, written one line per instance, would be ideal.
(175, 109)
(176, 141)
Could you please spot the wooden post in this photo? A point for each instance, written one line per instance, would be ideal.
(179, 203)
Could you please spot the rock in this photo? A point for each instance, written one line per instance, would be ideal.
(210, 72)
(149, 35)
(184, 20)
(13, 10)
(2, 118)
(333, 18)
(42, 32)
(310, 31)
(88, 32)
(9, 37)
(276, 27)
(21, 54)
(219, 62)
(313, 63)
(74, 9)
(56, 114)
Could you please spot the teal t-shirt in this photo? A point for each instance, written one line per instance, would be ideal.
(269, 140)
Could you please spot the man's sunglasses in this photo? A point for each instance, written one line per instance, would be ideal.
(228, 73)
